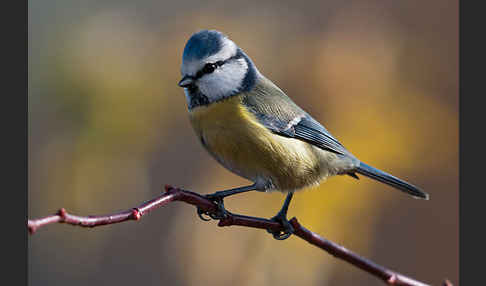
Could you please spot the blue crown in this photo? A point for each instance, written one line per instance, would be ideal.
(203, 44)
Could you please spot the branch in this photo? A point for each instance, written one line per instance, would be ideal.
(174, 194)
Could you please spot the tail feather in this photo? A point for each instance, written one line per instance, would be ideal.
(388, 179)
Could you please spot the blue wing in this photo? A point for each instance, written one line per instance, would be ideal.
(309, 130)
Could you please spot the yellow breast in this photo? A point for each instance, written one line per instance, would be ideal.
(235, 138)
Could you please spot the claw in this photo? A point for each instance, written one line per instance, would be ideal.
(218, 197)
(220, 214)
(281, 235)
(200, 213)
(288, 229)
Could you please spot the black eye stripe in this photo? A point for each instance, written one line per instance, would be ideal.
(210, 67)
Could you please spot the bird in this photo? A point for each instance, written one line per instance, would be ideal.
(253, 129)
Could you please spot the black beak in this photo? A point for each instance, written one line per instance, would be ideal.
(186, 81)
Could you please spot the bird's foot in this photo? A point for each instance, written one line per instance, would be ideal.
(218, 197)
(221, 213)
(287, 228)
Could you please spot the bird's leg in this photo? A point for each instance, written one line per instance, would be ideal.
(281, 217)
(218, 197)
(230, 192)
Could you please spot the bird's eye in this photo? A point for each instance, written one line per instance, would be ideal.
(209, 68)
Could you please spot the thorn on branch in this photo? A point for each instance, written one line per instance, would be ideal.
(62, 213)
(168, 188)
(136, 214)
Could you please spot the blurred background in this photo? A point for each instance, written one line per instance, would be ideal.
(108, 127)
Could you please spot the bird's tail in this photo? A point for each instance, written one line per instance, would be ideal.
(388, 179)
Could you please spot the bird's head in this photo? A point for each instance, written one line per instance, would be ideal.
(213, 68)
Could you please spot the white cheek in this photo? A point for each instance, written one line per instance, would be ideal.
(224, 80)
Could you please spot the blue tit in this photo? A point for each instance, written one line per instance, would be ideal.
(252, 128)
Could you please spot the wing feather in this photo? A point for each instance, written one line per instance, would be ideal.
(288, 119)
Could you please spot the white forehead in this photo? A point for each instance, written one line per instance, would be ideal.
(228, 50)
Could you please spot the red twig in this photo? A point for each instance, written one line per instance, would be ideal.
(172, 194)
(389, 276)
(447, 283)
